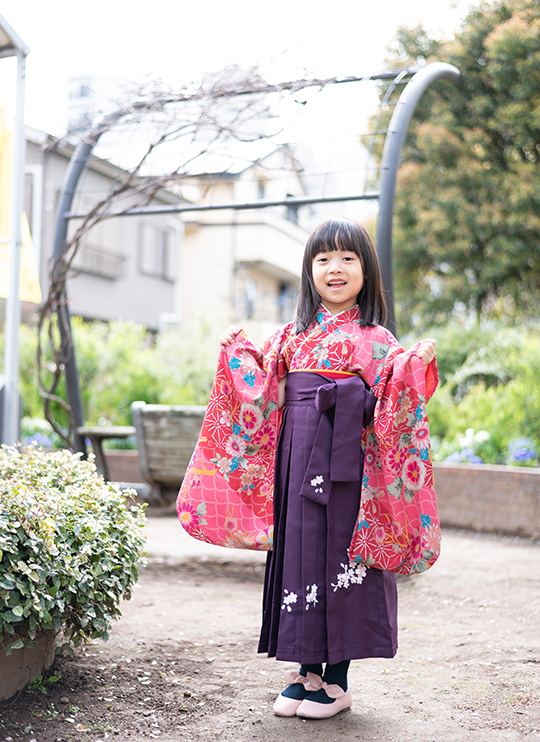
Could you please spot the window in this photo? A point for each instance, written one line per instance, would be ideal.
(250, 291)
(292, 211)
(99, 261)
(81, 91)
(286, 303)
(100, 253)
(156, 257)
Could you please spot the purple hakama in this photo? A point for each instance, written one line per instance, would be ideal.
(317, 606)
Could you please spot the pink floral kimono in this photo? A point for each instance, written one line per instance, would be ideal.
(226, 496)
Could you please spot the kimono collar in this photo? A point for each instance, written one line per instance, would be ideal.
(326, 317)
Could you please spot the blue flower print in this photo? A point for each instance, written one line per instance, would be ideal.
(235, 363)
(249, 378)
(426, 521)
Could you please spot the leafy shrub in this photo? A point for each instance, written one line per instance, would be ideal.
(120, 362)
(69, 547)
(493, 386)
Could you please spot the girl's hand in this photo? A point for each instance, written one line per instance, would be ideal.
(227, 336)
(426, 350)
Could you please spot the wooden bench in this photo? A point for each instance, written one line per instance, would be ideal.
(166, 437)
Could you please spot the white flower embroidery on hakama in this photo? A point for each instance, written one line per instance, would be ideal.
(353, 574)
(311, 596)
(316, 482)
(288, 599)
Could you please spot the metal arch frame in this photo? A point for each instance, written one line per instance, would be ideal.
(395, 139)
(77, 164)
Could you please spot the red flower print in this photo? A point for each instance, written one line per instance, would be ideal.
(188, 516)
(414, 473)
(264, 437)
(230, 524)
(251, 418)
(415, 547)
(395, 458)
(235, 446)
(420, 435)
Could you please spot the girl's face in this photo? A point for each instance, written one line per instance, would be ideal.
(338, 278)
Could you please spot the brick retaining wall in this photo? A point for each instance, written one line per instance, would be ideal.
(480, 497)
(123, 465)
(483, 497)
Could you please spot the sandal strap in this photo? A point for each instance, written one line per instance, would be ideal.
(313, 682)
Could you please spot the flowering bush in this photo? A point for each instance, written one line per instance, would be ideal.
(464, 449)
(69, 547)
(479, 448)
(522, 452)
(38, 432)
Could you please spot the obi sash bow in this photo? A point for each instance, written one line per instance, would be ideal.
(337, 454)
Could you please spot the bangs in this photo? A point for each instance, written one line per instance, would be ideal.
(344, 235)
(334, 235)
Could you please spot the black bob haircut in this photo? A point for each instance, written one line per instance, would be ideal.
(347, 235)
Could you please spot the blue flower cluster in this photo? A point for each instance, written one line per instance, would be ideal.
(38, 439)
(521, 450)
(465, 456)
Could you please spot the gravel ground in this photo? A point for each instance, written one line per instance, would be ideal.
(182, 665)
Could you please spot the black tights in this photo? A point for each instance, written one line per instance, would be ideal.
(333, 674)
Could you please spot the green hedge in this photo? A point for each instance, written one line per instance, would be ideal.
(69, 547)
(119, 362)
(489, 382)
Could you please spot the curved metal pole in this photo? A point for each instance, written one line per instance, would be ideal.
(75, 169)
(393, 145)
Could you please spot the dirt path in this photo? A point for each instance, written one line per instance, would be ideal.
(182, 663)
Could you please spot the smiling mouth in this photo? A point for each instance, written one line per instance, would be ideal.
(336, 283)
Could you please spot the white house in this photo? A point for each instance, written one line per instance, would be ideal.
(175, 270)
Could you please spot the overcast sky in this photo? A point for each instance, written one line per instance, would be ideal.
(177, 41)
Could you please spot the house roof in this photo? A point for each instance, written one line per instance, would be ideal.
(233, 157)
(10, 43)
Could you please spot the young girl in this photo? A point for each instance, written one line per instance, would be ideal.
(350, 491)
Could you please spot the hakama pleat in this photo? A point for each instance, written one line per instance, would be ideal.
(316, 606)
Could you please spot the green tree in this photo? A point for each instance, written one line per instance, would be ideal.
(467, 228)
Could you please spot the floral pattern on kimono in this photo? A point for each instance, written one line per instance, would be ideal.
(226, 496)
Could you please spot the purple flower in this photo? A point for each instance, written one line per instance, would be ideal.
(38, 439)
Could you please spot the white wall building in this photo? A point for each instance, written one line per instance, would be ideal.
(212, 267)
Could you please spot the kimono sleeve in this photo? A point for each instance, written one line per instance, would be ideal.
(398, 526)
(226, 495)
